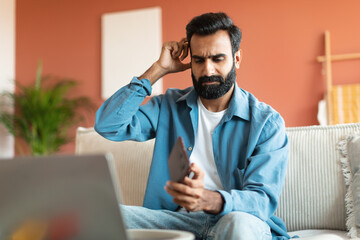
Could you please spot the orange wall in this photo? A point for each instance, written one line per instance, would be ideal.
(281, 40)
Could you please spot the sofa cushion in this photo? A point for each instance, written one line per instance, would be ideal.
(316, 234)
(350, 151)
(314, 192)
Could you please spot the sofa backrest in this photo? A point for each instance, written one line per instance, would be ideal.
(313, 196)
(132, 161)
(314, 190)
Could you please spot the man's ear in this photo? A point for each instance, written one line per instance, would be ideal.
(238, 57)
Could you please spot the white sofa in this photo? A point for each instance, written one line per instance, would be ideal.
(312, 202)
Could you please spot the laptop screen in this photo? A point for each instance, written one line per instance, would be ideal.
(59, 197)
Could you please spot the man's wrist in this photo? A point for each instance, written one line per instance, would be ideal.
(154, 73)
(214, 202)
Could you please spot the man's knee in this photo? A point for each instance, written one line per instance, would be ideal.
(240, 218)
(133, 216)
(241, 225)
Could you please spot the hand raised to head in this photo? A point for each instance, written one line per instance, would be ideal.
(172, 55)
(170, 60)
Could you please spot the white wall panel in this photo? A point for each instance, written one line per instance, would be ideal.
(131, 43)
(7, 67)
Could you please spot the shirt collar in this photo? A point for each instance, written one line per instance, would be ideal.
(190, 97)
(239, 103)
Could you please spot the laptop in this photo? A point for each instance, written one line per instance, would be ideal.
(60, 198)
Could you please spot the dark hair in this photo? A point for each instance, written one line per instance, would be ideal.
(209, 23)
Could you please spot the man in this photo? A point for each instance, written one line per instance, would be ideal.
(237, 145)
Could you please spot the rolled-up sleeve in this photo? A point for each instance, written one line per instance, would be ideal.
(122, 117)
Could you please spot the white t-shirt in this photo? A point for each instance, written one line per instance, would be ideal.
(202, 153)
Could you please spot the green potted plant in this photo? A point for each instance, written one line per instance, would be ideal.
(43, 113)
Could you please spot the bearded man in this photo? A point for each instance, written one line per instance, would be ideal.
(237, 145)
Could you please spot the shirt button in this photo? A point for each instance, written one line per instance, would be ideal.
(189, 148)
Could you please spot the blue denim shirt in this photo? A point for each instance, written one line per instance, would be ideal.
(250, 144)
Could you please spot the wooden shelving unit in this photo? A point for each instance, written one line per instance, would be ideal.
(327, 60)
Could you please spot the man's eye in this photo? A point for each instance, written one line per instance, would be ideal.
(218, 59)
(198, 60)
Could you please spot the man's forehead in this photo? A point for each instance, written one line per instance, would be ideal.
(217, 43)
(208, 53)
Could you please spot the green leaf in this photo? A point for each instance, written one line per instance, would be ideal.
(44, 112)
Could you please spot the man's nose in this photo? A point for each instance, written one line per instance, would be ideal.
(209, 68)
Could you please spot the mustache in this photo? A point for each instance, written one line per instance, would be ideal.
(205, 79)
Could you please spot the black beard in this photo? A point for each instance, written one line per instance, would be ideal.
(216, 90)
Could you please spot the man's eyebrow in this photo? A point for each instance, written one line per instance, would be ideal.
(210, 56)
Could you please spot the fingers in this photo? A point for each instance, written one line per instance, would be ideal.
(194, 183)
(198, 172)
(175, 189)
(184, 196)
(172, 55)
(180, 48)
(197, 181)
(185, 45)
(190, 204)
(175, 49)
